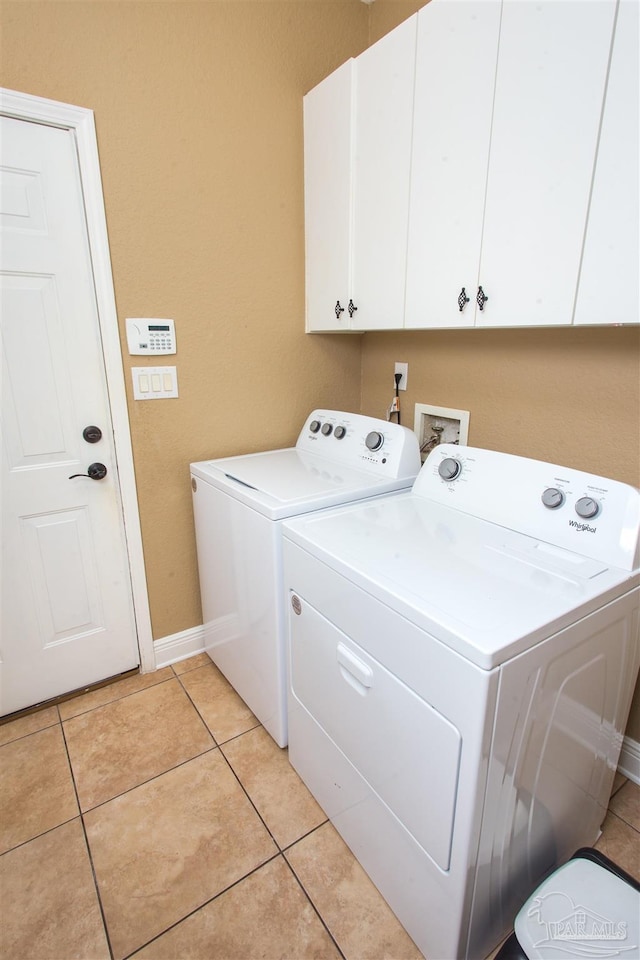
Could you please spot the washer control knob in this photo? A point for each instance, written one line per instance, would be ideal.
(339, 432)
(327, 429)
(374, 440)
(552, 498)
(587, 508)
(314, 426)
(450, 468)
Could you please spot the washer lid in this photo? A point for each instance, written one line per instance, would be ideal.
(485, 591)
(283, 483)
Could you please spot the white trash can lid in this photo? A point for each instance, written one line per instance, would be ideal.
(581, 910)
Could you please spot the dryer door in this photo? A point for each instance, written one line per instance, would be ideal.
(406, 751)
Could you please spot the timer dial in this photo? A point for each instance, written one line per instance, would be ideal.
(587, 508)
(374, 440)
(450, 468)
(552, 498)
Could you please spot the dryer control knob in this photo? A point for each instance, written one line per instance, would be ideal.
(314, 426)
(587, 508)
(374, 440)
(552, 498)
(327, 429)
(450, 468)
(339, 432)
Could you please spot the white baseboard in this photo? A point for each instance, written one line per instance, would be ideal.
(179, 646)
(629, 762)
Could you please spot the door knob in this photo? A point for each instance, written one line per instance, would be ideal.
(92, 434)
(95, 471)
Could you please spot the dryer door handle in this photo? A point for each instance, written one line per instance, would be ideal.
(353, 669)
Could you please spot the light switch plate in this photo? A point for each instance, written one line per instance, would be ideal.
(154, 383)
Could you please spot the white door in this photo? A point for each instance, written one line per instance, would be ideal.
(382, 166)
(67, 609)
(455, 81)
(609, 289)
(546, 119)
(328, 121)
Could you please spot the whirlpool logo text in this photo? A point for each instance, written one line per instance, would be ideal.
(582, 527)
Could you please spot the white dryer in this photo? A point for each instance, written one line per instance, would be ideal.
(239, 505)
(462, 662)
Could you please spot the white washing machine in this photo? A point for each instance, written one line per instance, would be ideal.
(239, 504)
(462, 663)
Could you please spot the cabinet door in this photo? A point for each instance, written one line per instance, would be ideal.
(328, 110)
(610, 277)
(383, 123)
(455, 78)
(552, 69)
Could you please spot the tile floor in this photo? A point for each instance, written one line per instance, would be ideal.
(155, 818)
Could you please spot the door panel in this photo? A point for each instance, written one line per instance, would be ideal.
(63, 571)
(609, 290)
(36, 407)
(328, 122)
(382, 165)
(457, 54)
(546, 117)
(67, 610)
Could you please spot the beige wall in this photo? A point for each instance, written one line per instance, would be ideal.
(198, 109)
(568, 396)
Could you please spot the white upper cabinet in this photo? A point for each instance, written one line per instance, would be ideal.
(552, 70)
(328, 117)
(478, 167)
(455, 80)
(609, 286)
(507, 113)
(382, 167)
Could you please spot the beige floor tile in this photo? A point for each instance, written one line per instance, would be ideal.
(618, 781)
(191, 663)
(36, 788)
(23, 726)
(121, 744)
(167, 847)
(224, 712)
(280, 796)
(626, 804)
(113, 691)
(50, 908)
(621, 843)
(359, 919)
(264, 917)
